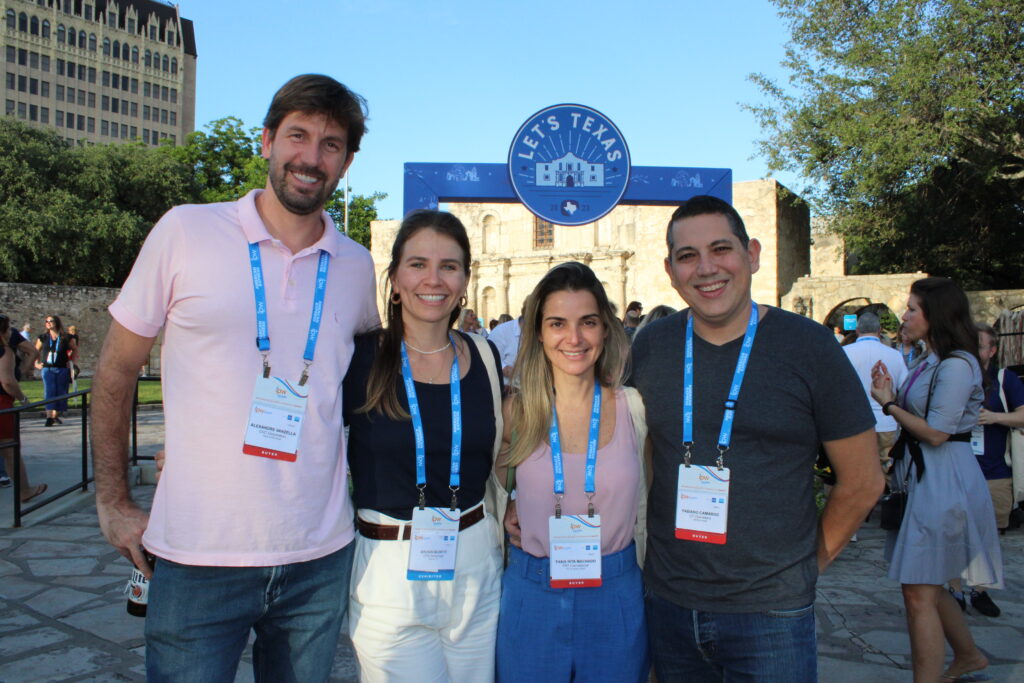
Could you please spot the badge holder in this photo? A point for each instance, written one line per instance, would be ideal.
(702, 501)
(435, 537)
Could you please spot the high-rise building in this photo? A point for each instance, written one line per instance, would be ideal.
(100, 70)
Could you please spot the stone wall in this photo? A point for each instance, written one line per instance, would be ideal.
(85, 307)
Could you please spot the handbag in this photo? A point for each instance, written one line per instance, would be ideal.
(894, 507)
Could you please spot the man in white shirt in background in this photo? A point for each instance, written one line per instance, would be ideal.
(863, 354)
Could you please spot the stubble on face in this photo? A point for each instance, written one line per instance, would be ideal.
(297, 202)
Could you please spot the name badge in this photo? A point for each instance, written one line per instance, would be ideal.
(978, 440)
(702, 504)
(275, 419)
(435, 538)
(574, 551)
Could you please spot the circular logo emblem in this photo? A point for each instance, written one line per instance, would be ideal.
(569, 164)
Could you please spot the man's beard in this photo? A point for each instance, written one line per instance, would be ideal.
(300, 204)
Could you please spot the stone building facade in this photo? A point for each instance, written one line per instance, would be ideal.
(512, 249)
(100, 71)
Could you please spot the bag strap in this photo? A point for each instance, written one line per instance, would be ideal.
(487, 356)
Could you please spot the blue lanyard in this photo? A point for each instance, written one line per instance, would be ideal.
(725, 435)
(262, 322)
(591, 466)
(417, 426)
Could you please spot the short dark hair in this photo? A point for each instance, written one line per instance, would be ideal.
(702, 205)
(318, 94)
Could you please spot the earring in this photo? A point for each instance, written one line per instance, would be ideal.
(396, 298)
(463, 301)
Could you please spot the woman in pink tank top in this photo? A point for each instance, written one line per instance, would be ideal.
(572, 594)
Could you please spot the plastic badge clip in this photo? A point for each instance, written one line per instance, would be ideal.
(688, 453)
(558, 506)
(423, 496)
(455, 500)
(305, 375)
(266, 367)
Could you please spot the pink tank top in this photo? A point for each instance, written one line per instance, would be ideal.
(615, 498)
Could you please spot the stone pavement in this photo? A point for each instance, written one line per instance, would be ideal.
(62, 610)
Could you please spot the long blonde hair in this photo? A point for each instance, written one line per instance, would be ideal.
(531, 404)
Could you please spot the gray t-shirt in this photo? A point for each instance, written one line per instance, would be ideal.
(799, 390)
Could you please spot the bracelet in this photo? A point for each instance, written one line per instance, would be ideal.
(885, 406)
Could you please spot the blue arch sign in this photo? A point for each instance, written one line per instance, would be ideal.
(569, 164)
(591, 139)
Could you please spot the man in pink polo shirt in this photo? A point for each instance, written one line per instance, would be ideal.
(258, 301)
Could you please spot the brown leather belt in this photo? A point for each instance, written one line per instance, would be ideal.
(389, 532)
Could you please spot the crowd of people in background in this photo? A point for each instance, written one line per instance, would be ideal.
(54, 353)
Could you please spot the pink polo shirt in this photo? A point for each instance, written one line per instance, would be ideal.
(215, 505)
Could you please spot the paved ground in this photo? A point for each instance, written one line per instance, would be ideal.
(62, 611)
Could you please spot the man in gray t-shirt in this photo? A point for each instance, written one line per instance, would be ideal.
(731, 587)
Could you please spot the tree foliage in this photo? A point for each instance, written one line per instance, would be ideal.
(78, 215)
(907, 119)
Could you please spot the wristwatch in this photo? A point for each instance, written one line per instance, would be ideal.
(885, 406)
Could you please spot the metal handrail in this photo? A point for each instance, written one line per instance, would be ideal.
(19, 512)
(83, 485)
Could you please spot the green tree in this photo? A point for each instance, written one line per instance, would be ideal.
(361, 210)
(226, 159)
(907, 119)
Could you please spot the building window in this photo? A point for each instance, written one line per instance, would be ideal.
(33, 86)
(104, 127)
(22, 110)
(71, 36)
(145, 135)
(156, 60)
(44, 61)
(22, 57)
(44, 88)
(33, 60)
(90, 125)
(170, 37)
(46, 29)
(145, 88)
(92, 100)
(135, 110)
(134, 132)
(111, 20)
(174, 65)
(81, 122)
(149, 58)
(106, 47)
(106, 79)
(105, 103)
(163, 93)
(12, 23)
(135, 86)
(174, 118)
(88, 12)
(124, 131)
(22, 83)
(117, 49)
(81, 41)
(71, 95)
(61, 32)
(116, 81)
(115, 105)
(44, 115)
(33, 112)
(174, 95)
(11, 54)
(92, 74)
(543, 234)
(163, 116)
(60, 93)
(34, 29)
(10, 81)
(23, 27)
(60, 118)
(92, 42)
(9, 108)
(131, 26)
(166, 64)
(152, 32)
(135, 55)
(113, 129)
(126, 52)
(81, 97)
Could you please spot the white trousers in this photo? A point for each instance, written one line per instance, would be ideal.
(425, 631)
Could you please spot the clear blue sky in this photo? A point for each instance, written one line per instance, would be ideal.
(451, 81)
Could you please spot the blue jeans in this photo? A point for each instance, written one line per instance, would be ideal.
(199, 618)
(776, 646)
(564, 634)
(55, 383)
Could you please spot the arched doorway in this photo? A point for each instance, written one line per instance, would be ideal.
(890, 321)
